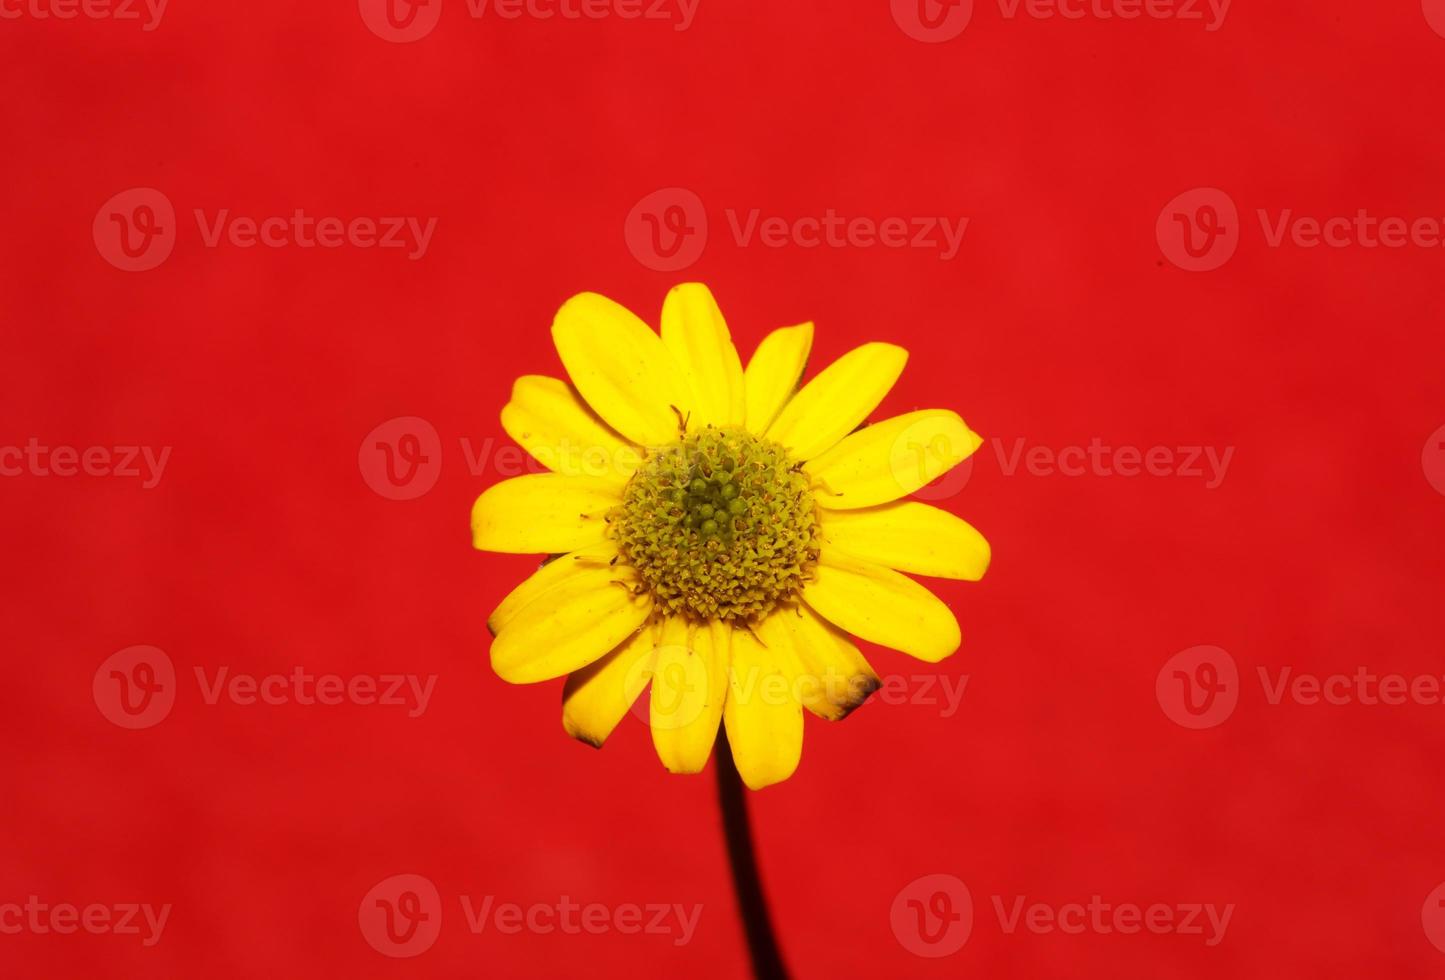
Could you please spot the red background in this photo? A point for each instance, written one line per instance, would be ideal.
(1060, 321)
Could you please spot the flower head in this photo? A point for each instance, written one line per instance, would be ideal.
(716, 533)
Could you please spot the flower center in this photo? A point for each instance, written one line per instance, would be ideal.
(719, 525)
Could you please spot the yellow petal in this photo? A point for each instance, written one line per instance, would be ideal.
(551, 421)
(837, 400)
(570, 625)
(551, 574)
(881, 606)
(689, 686)
(891, 459)
(764, 720)
(910, 537)
(774, 372)
(622, 368)
(835, 678)
(597, 697)
(543, 513)
(694, 330)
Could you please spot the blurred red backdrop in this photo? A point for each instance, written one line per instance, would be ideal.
(1072, 324)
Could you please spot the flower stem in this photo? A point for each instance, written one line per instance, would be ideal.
(752, 904)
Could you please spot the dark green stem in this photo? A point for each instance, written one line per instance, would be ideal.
(752, 904)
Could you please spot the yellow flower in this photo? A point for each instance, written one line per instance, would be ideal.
(718, 532)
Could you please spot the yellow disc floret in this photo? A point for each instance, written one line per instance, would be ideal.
(720, 525)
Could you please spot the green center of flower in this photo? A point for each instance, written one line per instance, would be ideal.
(720, 525)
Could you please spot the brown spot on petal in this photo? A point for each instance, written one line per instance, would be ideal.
(859, 692)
